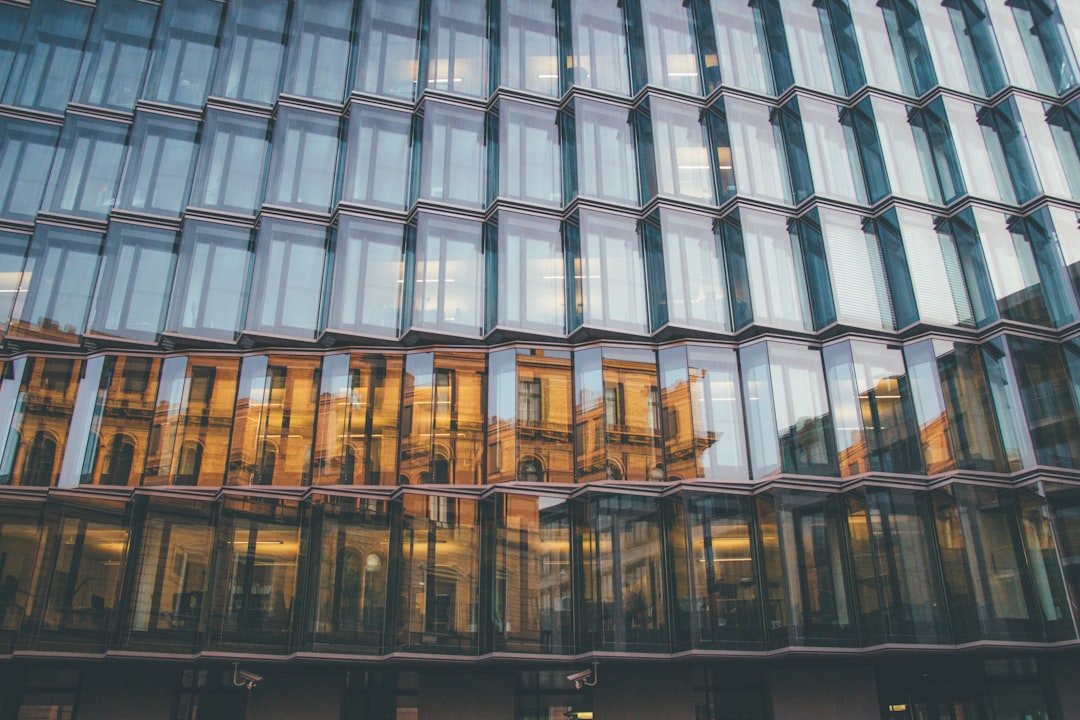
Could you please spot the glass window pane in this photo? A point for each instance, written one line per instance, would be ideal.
(757, 151)
(695, 281)
(57, 283)
(134, 282)
(86, 170)
(359, 404)
(387, 61)
(286, 285)
(157, 175)
(318, 50)
(194, 413)
(437, 605)
(528, 50)
(606, 163)
(232, 162)
(448, 293)
(44, 69)
(20, 543)
(185, 48)
(12, 259)
(1049, 406)
(670, 51)
(211, 280)
(681, 154)
(38, 431)
(600, 57)
(305, 147)
(116, 54)
(860, 287)
(610, 273)
(457, 48)
(833, 164)
(532, 279)
(375, 173)
(530, 164)
(744, 52)
(12, 22)
(454, 162)
(808, 49)
(365, 298)
(26, 153)
(252, 50)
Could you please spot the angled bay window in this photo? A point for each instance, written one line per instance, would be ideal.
(171, 578)
(806, 47)
(1053, 164)
(209, 290)
(956, 392)
(357, 433)
(1061, 227)
(1049, 404)
(318, 50)
(12, 259)
(670, 51)
(723, 573)
(257, 552)
(303, 159)
(82, 568)
(26, 152)
(116, 54)
(349, 560)
(764, 258)
(856, 274)
(1020, 56)
(600, 59)
(875, 422)
(679, 165)
(87, 166)
(617, 415)
(365, 297)
(937, 153)
(453, 165)
(831, 158)
(533, 598)
(45, 67)
(1064, 125)
(286, 283)
(1007, 144)
(274, 425)
(530, 416)
(603, 153)
(185, 48)
(232, 162)
(924, 270)
(609, 273)
(57, 283)
(37, 433)
(448, 277)
(193, 415)
(887, 143)
(976, 46)
(438, 609)
(623, 600)
(20, 542)
(387, 61)
(157, 175)
(12, 23)
(875, 28)
(457, 56)
(808, 600)
(978, 154)
(530, 163)
(528, 47)
(119, 426)
(702, 414)
(787, 410)
(378, 141)
(252, 50)
(694, 285)
(743, 47)
(531, 274)
(757, 161)
(442, 424)
(133, 284)
(1042, 29)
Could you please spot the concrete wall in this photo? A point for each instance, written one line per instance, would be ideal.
(287, 694)
(837, 691)
(125, 693)
(644, 693)
(452, 696)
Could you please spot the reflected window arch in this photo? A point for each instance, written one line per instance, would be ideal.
(40, 460)
(441, 469)
(119, 461)
(531, 470)
(189, 463)
(612, 471)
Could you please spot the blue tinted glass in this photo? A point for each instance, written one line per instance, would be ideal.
(44, 69)
(26, 153)
(250, 66)
(116, 53)
(185, 49)
(134, 282)
(86, 171)
(157, 175)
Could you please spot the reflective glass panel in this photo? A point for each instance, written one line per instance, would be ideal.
(860, 288)
(232, 162)
(116, 53)
(157, 175)
(57, 283)
(530, 416)
(379, 141)
(606, 164)
(935, 272)
(757, 151)
(600, 59)
(530, 164)
(20, 544)
(528, 50)
(358, 421)
(438, 608)
(185, 48)
(610, 273)
(193, 415)
(681, 154)
(286, 285)
(533, 597)
(834, 166)
(531, 279)
(744, 52)
(1044, 565)
(365, 298)
(898, 147)
(1049, 406)
(670, 52)
(303, 157)
(454, 161)
(44, 69)
(211, 280)
(695, 281)
(449, 277)
(26, 153)
(809, 49)
(133, 286)
(86, 170)
(318, 50)
(350, 561)
(386, 63)
(12, 258)
(12, 22)
(274, 427)
(252, 49)
(457, 47)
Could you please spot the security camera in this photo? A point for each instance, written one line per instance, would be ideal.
(583, 678)
(245, 678)
(579, 676)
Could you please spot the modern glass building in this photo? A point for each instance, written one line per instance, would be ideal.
(398, 359)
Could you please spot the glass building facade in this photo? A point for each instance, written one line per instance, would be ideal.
(390, 336)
